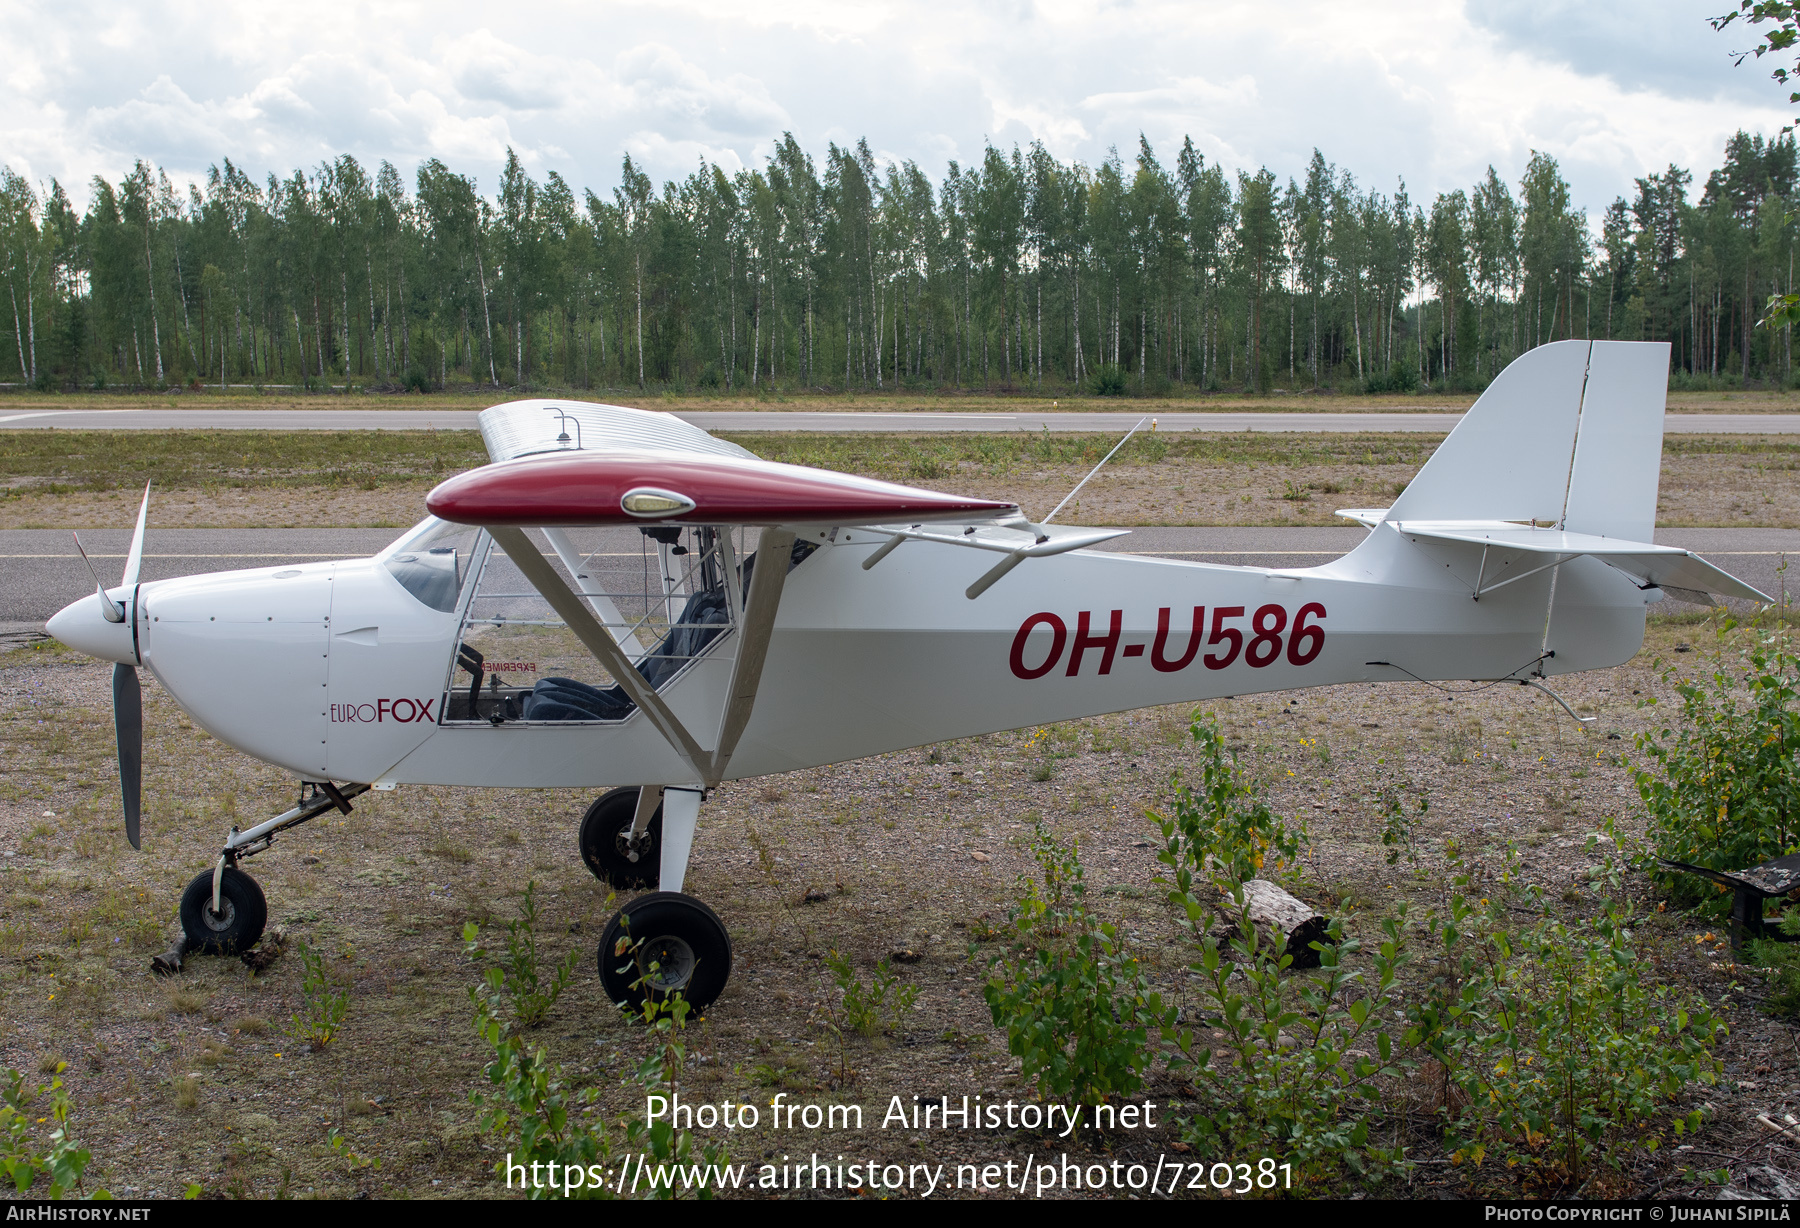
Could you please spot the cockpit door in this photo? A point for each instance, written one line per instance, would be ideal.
(394, 620)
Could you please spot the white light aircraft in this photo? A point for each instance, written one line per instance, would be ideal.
(621, 600)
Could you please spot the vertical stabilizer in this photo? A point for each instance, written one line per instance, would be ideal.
(1508, 459)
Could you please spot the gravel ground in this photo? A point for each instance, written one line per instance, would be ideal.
(198, 1079)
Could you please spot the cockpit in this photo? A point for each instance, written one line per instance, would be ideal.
(665, 594)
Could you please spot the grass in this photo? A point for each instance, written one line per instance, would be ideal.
(995, 399)
(60, 462)
(378, 478)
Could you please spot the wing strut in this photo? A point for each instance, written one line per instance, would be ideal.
(600, 642)
(767, 579)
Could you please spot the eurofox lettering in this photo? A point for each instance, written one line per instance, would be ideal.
(402, 711)
(1272, 633)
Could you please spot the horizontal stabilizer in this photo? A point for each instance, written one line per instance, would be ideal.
(1652, 566)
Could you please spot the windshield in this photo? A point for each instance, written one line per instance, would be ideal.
(434, 562)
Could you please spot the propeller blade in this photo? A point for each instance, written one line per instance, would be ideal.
(108, 608)
(128, 724)
(136, 558)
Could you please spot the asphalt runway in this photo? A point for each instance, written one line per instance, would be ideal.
(40, 571)
(781, 420)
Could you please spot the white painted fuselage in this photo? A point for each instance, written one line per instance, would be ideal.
(334, 671)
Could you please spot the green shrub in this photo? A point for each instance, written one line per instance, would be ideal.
(1401, 376)
(518, 976)
(1725, 792)
(1078, 1010)
(1559, 1050)
(539, 1116)
(1108, 380)
(536, 1114)
(323, 1003)
(1223, 828)
(24, 1159)
(1302, 1056)
(1297, 1070)
(1782, 959)
(881, 1005)
(1398, 830)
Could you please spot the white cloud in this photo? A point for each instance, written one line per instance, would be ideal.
(1429, 90)
(485, 69)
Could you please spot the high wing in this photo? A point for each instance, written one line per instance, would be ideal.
(1509, 551)
(559, 466)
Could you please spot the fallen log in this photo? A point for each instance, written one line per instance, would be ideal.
(1270, 909)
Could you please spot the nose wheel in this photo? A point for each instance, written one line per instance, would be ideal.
(223, 911)
(235, 925)
(662, 943)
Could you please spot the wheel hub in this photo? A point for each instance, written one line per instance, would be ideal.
(668, 963)
(632, 848)
(219, 921)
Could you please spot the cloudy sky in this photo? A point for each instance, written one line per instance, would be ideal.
(1430, 91)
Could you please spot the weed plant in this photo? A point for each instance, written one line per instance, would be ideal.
(324, 1005)
(1296, 1062)
(1077, 1007)
(1556, 1055)
(353, 1162)
(1722, 790)
(881, 1005)
(518, 978)
(1782, 960)
(57, 1157)
(1398, 828)
(540, 1117)
(1560, 1054)
(1222, 828)
(1302, 1061)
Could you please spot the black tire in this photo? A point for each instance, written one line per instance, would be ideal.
(681, 935)
(602, 827)
(239, 922)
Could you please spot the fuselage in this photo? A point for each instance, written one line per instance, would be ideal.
(337, 671)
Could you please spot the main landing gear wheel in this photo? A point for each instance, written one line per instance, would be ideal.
(684, 940)
(604, 831)
(239, 922)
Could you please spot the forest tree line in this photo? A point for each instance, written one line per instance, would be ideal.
(1020, 272)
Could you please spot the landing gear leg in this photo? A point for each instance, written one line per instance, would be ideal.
(666, 942)
(681, 813)
(223, 911)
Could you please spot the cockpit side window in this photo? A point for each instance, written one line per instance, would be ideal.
(435, 563)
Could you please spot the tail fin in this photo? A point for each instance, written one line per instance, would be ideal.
(1570, 435)
(1559, 458)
